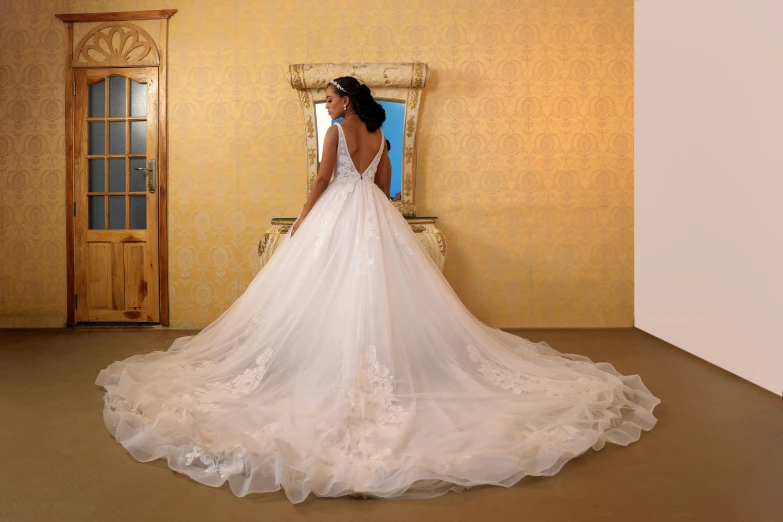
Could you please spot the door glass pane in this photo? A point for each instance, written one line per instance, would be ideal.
(117, 96)
(97, 95)
(138, 99)
(138, 212)
(138, 144)
(116, 212)
(137, 177)
(117, 137)
(96, 213)
(96, 168)
(97, 131)
(117, 175)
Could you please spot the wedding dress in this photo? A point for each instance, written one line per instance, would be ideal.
(350, 367)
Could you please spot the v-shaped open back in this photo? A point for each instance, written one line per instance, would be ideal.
(346, 168)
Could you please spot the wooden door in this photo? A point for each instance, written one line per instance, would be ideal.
(115, 195)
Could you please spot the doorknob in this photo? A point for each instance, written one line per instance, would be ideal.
(151, 167)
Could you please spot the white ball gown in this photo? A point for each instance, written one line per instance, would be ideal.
(350, 367)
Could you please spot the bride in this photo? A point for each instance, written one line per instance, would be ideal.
(350, 367)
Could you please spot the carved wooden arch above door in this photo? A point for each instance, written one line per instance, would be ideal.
(116, 44)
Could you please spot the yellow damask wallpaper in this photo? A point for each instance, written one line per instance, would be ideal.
(526, 150)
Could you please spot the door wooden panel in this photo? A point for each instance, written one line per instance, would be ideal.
(99, 266)
(135, 279)
(116, 195)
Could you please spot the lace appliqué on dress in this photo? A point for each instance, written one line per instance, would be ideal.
(319, 239)
(197, 366)
(223, 462)
(375, 393)
(370, 226)
(204, 397)
(345, 168)
(346, 189)
(241, 385)
(547, 437)
(373, 422)
(363, 261)
(270, 429)
(518, 382)
(397, 233)
(256, 322)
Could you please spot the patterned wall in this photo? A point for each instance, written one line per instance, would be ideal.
(526, 150)
(32, 165)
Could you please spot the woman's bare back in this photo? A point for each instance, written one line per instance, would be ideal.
(362, 144)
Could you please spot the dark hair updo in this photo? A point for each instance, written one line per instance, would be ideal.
(370, 111)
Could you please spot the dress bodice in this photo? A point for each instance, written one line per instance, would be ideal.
(345, 170)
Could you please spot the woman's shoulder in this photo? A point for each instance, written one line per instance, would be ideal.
(332, 130)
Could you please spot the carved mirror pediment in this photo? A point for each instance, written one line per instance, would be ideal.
(397, 87)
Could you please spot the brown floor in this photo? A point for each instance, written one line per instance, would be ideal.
(715, 455)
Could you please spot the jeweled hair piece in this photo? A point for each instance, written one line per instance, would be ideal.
(338, 86)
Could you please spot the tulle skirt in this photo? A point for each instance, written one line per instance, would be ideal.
(350, 367)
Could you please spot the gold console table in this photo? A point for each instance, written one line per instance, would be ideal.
(427, 233)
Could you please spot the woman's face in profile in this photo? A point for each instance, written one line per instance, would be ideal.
(334, 103)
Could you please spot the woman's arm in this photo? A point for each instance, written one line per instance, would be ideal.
(383, 174)
(325, 172)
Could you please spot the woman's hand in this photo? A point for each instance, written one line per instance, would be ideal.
(295, 227)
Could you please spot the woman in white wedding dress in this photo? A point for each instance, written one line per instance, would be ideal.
(350, 367)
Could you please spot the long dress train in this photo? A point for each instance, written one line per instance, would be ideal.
(350, 366)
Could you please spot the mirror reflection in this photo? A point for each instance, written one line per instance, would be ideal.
(393, 129)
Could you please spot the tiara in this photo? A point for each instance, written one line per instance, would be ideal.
(338, 86)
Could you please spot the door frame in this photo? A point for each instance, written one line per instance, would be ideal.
(74, 58)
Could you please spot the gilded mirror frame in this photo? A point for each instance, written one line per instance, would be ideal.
(398, 82)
